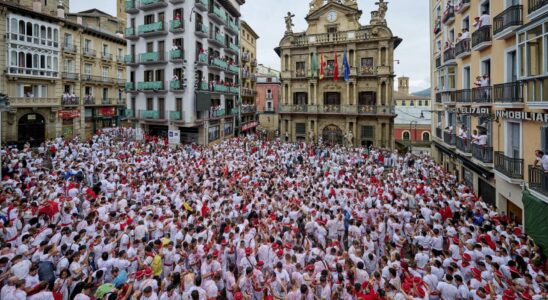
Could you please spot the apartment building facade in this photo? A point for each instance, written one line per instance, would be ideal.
(268, 98)
(55, 78)
(248, 93)
(315, 103)
(183, 61)
(489, 70)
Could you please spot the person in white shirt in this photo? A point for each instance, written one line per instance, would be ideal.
(541, 160)
(448, 291)
(485, 19)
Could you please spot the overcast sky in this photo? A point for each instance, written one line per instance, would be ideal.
(407, 19)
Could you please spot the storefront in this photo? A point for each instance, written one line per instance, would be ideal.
(68, 117)
(106, 117)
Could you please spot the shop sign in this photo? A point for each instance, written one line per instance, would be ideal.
(249, 125)
(174, 137)
(522, 115)
(107, 111)
(69, 114)
(474, 110)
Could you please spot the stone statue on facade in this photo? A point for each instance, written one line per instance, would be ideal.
(289, 23)
(383, 7)
(349, 138)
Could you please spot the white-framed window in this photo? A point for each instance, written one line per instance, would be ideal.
(69, 66)
(531, 54)
(513, 139)
(87, 69)
(105, 72)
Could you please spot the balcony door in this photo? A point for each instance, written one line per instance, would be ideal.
(367, 98)
(513, 143)
(300, 99)
(511, 66)
(332, 98)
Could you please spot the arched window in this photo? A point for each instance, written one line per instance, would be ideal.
(43, 35)
(21, 59)
(29, 28)
(14, 27)
(29, 60)
(42, 61)
(406, 136)
(50, 36)
(36, 34)
(21, 27)
(35, 61)
(426, 136)
(55, 37)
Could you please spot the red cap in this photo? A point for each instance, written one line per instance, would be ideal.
(417, 280)
(238, 296)
(310, 268)
(148, 272)
(215, 253)
(476, 272)
(280, 252)
(455, 239)
(275, 246)
(248, 251)
(260, 263)
(139, 274)
(466, 257)
(224, 242)
(508, 295)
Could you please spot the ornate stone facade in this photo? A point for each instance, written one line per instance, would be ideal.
(358, 110)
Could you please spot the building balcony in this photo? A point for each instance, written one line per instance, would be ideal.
(202, 30)
(219, 88)
(68, 100)
(97, 79)
(437, 28)
(151, 115)
(508, 95)
(464, 145)
(438, 61)
(147, 5)
(234, 69)
(462, 6)
(248, 109)
(538, 180)
(448, 97)
(248, 93)
(510, 167)
(448, 16)
(537, 8)
(70, 76)
(462, 48)
(70, 48)
(218, 15)
(107, 56)
(365, 110)
(506, 22)
(233, 90)
(34, 102)
(482, 153)
(216, 113)
(219, 64)
(481, 38)
(482, 96)
(449, 56)
(301, 73)
(90, 53)
(203, 59)
(246, 74)
(152, 58)
(449, 138)
(176, 55)
(150, 86)
(176, 85)
(120, 81)
(131, 7)
(463, 96)
(175, 116)
(128, 114)
(152, 29)
(176, 26)
(129, 34)
(130, 87)
(202, 5)
(233, 27)
(233, 49)
(109, 101)
(130, 60)
(203, 86)
(217, 39)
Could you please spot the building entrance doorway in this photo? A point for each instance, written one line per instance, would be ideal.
(332, 135)
(31, 128)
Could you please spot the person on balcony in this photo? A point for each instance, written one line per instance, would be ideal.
(476, 23)
(541, 160)
(177, 16)
(485, 19)
(475, 136)
(465, 34)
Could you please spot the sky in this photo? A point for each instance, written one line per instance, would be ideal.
(407, 19)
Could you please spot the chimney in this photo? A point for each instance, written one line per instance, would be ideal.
(37, 6)
(403, 85)
(61, 10)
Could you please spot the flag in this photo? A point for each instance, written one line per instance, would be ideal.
(321, 67)
(346, 67)
(336, 69)
(314, 65)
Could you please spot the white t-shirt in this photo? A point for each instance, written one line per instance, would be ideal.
(485, 20)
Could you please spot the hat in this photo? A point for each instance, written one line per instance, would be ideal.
(466, 257)
(476, 272)
(280, 252)
(248, 251)
(215, 253)
(455, 239)
(417, 280)
(260, 263)
(275, 246)
(139, 274)
(310, 268)
(147, 271)
(224, 242)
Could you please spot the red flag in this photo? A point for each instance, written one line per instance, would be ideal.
(321, 67)
(336, 70)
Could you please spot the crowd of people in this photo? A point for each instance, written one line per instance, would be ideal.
(117, 218)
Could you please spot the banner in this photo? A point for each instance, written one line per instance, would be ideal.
(69, 114)
(107, 111)
(174, 137)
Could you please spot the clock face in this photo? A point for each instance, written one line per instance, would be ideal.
(332, 16)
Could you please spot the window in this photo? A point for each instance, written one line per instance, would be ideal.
(300, 128)
(426, 136)
(105, 49)
(544, 139)
(69, 66)
(466, 23)
(426, 103)
(511, 68)
(269, 94)
(406, 136)
(88, 45)
(120, 74)
(466, 77)
(513, 139)
(368, 132)
(150, 103)
(87, 69)
(300, 98)
(105, 72)
(213, 133)
(300, 67)
(332, 29)
(412, 103)
(179, 104)
(149, 19)
(420, 102)
(367, 98)
(68, 39)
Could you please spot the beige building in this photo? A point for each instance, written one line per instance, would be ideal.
(62, 78)
(361, 109)
(248, 49)
(490, 74)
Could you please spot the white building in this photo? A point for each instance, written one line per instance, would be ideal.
(183, 59)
